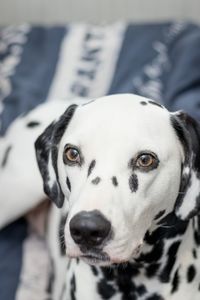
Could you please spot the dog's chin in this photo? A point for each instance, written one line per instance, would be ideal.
(101, 258)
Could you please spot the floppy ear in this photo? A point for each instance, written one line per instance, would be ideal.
(188, 131)
(47, 155)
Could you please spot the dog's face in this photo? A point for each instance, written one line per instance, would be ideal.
(117, 164)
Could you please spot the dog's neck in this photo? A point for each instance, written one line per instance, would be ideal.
(161, 243)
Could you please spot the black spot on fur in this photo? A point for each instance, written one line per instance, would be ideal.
(32, 124)
(155, 103)
(73, 288)
(5, 157)
(159, 215)
(154, 255)
(133, 183)
(68, 184)
(51, 278)
(175, 282)
(61, 235)
(191, 272)
(95, 270)
(152, 269)
(197, 237)
(154, 297)
(171, 258)
(127, 286)
(143, 102)
(141, 290)
(96, 180)
(114, 181)
(194, 253)
(91, 167)
(105, 289)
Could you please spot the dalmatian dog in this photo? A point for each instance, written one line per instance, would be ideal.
(124, 173)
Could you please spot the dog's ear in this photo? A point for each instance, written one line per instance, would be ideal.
(47, 155)
(188, 131)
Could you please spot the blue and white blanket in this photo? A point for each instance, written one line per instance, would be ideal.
(37, 64)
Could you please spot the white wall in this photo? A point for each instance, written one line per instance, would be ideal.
(97, 11)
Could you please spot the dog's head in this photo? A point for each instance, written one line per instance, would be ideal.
(119, 163)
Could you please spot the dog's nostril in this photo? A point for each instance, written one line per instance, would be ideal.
(76, 233)
(89, 228)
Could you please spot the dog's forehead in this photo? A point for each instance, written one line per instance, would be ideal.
(123, 124)
(120, 115)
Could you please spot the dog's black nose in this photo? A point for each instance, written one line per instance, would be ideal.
(89, 229)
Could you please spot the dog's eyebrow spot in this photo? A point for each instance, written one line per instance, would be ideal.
(91, 167)
(155, 103)
(32, 124)
(159, 215)
(143, 102)
(133, 183)
(96, 180)
(114, 181)
(68, 184)
(5, 157)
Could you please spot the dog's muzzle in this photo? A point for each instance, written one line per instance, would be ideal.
(90, 229)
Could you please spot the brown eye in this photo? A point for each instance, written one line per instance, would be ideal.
(71, 155)
(146, 160)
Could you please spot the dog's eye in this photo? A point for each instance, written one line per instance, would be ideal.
(71, 154)
(146, 161)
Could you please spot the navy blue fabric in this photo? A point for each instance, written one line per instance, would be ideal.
(11, 241)
(182, 80)
(33, 76)
(136, 52)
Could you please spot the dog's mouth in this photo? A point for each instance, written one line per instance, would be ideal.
(100, 258)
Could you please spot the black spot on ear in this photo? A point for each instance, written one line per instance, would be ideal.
(96, 180)
(191, 272)
(155, 103)
(159, 215)
(143, 102)
(91, 167)
(133, 183)
(175, 282)
(182, 136)
(68, 184)
(5, 157)
(46, 147)
(114, 181)
(32, 124)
